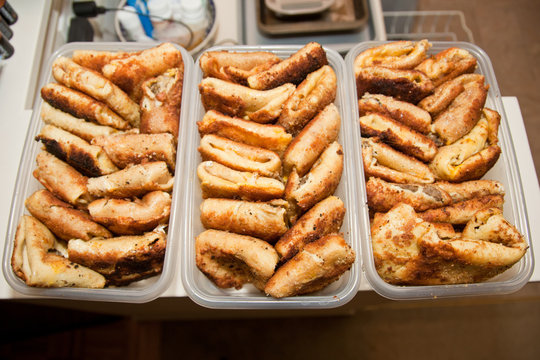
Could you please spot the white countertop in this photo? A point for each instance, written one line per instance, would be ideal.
(17, 86)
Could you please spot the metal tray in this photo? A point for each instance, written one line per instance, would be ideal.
(137, 292)
(273, 24)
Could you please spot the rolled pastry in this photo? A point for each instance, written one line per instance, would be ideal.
(89, 159)
(490, 225)
(473, 155)
(444, 94)
(62, 180)
(261, 220)
(62, 219)
(400, 136)
(291, 70)
(36, 261)
(236, 67)
(122, 259)
(409, 251)
(447, 64)
(463, 211)
(237, 100)
(320, 182)
(100, 88)
(471, 189)
(82, 106)
(219, 181)
(308, 145)
(84, 129)
(382, 195)
(128, 149)
(462, 114)
(317, 265)
(134, 180)
(407, 85)
(240, 156)
(404, 112)
(127, 217)
(232, 260)
(322, 219)
(161, 102)
(311, 96)
(394, 55)
(271, 137)
(383, 161)
(129, 73)
(96, 60)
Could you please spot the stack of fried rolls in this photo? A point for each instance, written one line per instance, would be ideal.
(271, 162)
(427, 140)
(107, 165)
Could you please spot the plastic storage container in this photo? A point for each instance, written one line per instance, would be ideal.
(138, 292)
(505, 171)
(199, 288)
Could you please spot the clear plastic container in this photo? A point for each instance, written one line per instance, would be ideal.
(137, 292)
(199, 288)
(505, 171)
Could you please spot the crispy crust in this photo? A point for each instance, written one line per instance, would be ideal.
(490, 225)
(82, 106)
(129, 73)
(134, 180)
(394, 55)
(292, 70)
(125, 217)
(84, 129)
(471, 189)
(36, 261)
(123, 259)
(473, 155)
(462, 114)
(128, 149)
(444, 94)
(100, 88)
(232, 260)
(320, 263)
(308, 145)
(447, 65)
(96, 60)
(235, 66)
(237, 100)
(62, 180)
(219, 181)
(240, 156)
(311, 96)
(271, 137)
(321, 181)
(406, 85)
(62, 219)
(322, 219)
(409, 251)
(88, 159)
(260, 220)
(385, 162)
(399, 136)
(161, 101)
(463, 211)
(404, 112)
(383, 196)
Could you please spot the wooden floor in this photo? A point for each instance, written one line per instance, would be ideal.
(508, 32)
